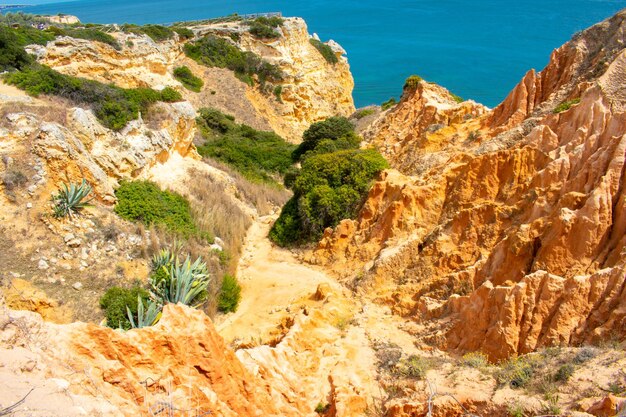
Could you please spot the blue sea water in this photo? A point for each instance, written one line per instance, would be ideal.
(478, 49)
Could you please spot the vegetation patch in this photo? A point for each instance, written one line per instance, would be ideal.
(184, 33)
(330, 135)
(117, 300)
(456, 98)
(113, 106)
(187, 79)
(326, 51)
(364, 113)
(389, 104)
(475, 360)
(566, 105)
(412, 82)
(158, 33)
(265, 27)
(214, 51)
(330, 187)
(413, 367)
(12, 53)
(145, 202)
(71, 199)
(230, 294)
(259, 156)
(90, 34)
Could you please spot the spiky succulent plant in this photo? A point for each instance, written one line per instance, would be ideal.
(145, 318)
(71, 199)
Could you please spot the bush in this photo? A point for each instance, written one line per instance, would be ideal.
(332, 128)
(566, 105)
(389, 104)
(12, 54)
(87, 33)
(516, 372)
(184, 33)
(326, 51)
(230, 294)
(329, 188)
(71, 199)
(187, 79)
(169, 95)
(412, 82)
(158, 33)
(585, 354)
(214, 51)
(145, 202)
(113, 106)
(115, 302)
(456, 98)
(565, 372)
(265, 28)
(259, 156)
(475, 360)
(364, 113)
(28, 36)
(413, 367)
(181, 282)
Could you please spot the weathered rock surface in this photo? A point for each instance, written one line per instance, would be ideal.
(541, 199)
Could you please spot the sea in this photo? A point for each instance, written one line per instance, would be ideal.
(477, 49)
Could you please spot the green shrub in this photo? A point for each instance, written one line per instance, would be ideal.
(278, 91)
(71, 199)
(115, 303)
(214, 51)
(265, 27)
(12, 54)
(333, 128)
(412, 82)
(456, 98)
(326, 51)
(475, 360)
(566, 105)
(187, 79)
(184, 33)
(145, 202)
(516, 372)
(330, 187)
(230, 294)
(87, 33)
(158, 33)
(565, 372)
(585, 354)
(389, 104)
(322, 408)
(113, 106)
(364, 113)
(28, 36)
(169, 95)
(181, 282)
(259, 156)
(413, 367)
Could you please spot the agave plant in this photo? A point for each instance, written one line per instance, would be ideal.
(145, 318)
(71, 199)
(162, 259)
(184, 282)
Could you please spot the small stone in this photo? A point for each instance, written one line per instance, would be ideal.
(29, 205)
(68, 237)
(77, 286)
(31, 189)
(43, 264)
(84, 264)
(66, 256)
(110, 248)
(53, 260)
(74, 243)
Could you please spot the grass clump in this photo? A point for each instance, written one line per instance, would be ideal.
(265, 27)
(564, 373)
(475, 360)
(70, 199)
(566, 105)
(330, 187)
(412, 82)
(230, 294)
(145, 202)
(113, 106)
(259, 156)
(118, 303)
(326, 51)
(585, 354)
(456, 98)
(187, 79)
(322, 409)
(214, 51)
(517, 372)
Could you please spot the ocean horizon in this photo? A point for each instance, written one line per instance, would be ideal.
(477, 50)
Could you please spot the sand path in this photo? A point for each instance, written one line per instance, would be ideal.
(274, 283)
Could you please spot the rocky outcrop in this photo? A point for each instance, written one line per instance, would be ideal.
(312, 90)
(544, 198)
(83, 148)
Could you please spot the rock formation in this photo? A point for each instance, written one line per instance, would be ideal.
(529, 205)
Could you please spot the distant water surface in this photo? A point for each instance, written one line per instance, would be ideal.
(478, 49)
